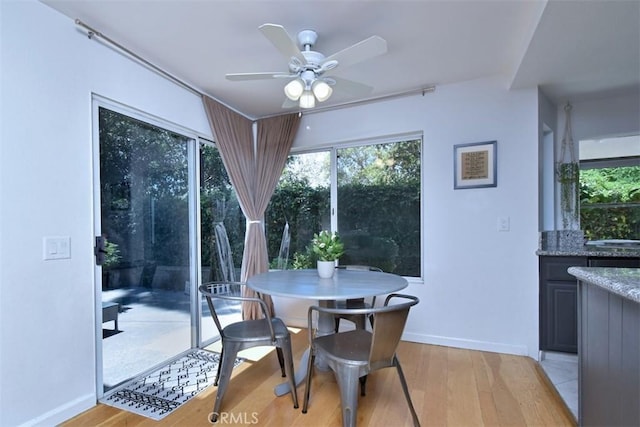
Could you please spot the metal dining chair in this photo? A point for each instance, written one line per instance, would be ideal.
(240, 335)
(358, 352)
(359, 320)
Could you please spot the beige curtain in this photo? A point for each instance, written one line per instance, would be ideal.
(254, 170)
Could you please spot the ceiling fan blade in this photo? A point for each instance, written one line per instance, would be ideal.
(368, 48)
(282, 41)
(350, 87)
(258, 76)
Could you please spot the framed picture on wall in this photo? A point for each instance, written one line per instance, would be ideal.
(475, 165)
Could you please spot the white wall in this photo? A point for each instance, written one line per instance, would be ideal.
(480, 287)
(49, 71)
(610, 116)
(546, 162)
(604, 117)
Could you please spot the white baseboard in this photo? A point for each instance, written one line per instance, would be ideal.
(518, 350)
(296, 322)
(62, 413)
(557, 356)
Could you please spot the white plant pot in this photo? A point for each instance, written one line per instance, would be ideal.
(326, 269)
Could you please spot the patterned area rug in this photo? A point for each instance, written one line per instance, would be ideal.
(158, 394)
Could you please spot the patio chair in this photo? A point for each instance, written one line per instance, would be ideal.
(225, 256)
(358, 352)
(237, 336)
(285, 243)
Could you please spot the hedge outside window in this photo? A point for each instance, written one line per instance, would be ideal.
(378, 191)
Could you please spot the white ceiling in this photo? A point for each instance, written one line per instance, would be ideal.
(572, 49)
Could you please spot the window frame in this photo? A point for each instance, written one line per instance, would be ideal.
(333, 148)
(606, 163)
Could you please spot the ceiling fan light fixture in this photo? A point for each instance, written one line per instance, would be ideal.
(321, 90)
(294, 89)
(307, 83)
(307, 100)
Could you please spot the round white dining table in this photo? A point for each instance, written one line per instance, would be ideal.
(345, 284)
(306, 284)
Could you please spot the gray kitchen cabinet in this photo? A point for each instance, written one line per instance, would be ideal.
(558, 305)
(558, 302)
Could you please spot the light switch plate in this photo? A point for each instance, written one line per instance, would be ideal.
(504, 223)
(56, 247)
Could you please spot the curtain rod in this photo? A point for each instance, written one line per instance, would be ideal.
(91, 33)
(423, 91)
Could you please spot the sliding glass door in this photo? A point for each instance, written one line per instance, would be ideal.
(145, 242)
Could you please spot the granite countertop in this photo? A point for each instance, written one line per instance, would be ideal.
(592, 251)
(622, 281)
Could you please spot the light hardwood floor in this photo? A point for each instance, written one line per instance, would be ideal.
(449, 387)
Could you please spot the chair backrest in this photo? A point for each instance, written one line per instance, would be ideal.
(224, 253)
(359, 267)
(219, 290)
(388, 326)
(283, 254)
(230, 291)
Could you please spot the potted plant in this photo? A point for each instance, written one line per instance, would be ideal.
(568, 176)
(111, 258)
(328, 248)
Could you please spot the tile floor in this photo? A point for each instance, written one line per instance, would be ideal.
(562, 370)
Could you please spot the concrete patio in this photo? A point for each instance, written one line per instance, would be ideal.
(153, 326)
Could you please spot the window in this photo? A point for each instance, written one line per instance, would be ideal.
(610, 188)
(376, 199)
(301, 200)
(379, 205)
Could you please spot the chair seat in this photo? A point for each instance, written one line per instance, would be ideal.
(254, 330)
(350, 347)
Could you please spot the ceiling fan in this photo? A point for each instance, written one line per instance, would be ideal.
(308, 69)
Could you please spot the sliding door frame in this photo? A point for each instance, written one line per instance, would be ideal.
(193, 164)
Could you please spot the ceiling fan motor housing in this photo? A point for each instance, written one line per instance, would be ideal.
(307, 38)
(313, 58)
